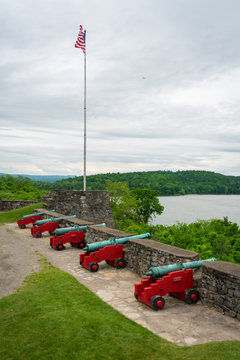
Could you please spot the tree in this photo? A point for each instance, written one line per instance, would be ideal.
(148, 204)
(124, 205)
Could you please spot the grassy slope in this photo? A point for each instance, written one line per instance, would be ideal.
(14, 215)
(54, 317)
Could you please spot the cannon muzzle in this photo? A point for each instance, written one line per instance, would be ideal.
(41, 222)
(62, 231)
(166, 269)
(101, 244)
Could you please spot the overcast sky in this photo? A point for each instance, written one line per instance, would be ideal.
(163, 86)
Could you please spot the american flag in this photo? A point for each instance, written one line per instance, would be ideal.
(80, 43)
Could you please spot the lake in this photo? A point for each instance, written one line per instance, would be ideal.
(190, 208)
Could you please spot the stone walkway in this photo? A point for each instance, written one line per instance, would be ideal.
(178, 322)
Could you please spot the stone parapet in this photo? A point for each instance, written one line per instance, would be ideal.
(7, 205)
(221, 287)
(97, 233)
(141, 254)
(93, 206)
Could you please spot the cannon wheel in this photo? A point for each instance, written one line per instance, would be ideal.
(120, 263)
(192, 296)
(38, 234)
(157, 302)
(59, 246)
(23, 226)
(93, 266)
(81, 244)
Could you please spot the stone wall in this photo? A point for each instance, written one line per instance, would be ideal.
(6, 205)
(96, 233)
(221, 287)
(93, 206)
(141, 254)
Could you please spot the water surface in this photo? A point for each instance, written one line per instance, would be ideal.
(190, 208)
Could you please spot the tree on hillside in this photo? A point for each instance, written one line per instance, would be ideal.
(148, 204)
(124, 205)
(138, 205)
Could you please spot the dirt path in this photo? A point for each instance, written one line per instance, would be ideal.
(17, 260)
(178, 322)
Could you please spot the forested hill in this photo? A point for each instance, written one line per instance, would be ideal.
(165, 182)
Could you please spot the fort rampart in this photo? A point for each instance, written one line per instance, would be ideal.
(218, 282)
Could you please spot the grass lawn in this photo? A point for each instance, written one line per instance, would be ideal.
(14, 215)
(52, 316)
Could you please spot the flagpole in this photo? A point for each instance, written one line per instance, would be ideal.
(85, 110)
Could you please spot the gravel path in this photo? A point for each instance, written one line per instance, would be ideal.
(178, 322)
(17, 260)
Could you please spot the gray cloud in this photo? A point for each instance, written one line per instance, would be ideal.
(162, 86)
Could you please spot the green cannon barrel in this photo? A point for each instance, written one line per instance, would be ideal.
(41, 222)
(35, 214)
(166, 269)
(62, 231)
(101, 244)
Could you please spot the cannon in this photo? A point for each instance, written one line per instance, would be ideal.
(49, 225)
(74, 235)
(175, 280)
(30, 219)
(110, 250)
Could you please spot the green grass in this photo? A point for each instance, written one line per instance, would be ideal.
(52, 316)
(14, 215)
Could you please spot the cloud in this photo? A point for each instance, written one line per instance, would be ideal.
(162, 86)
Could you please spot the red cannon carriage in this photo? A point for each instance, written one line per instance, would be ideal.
(74, 235)
(49, 225)
(178, 282)
(30, 219)
(111, 251)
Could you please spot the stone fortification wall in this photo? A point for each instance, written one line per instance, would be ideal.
(221, 287)
(7, 205)
(93, 206)
(141, 254)
(97, 233)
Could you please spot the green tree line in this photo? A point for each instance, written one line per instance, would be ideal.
(19, 188)
(164, 182)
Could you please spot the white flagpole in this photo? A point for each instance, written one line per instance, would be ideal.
(85, 108)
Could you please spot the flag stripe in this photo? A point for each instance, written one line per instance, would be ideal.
(80, 43)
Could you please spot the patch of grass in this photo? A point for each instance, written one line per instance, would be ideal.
(14, 215)
(52, 316)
